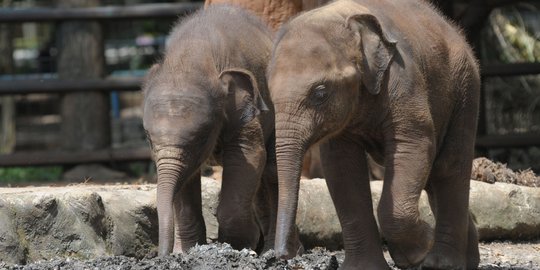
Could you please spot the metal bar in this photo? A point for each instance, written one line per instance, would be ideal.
(515, 69)
(509, 140)
(63, 86)
(43, 158)
(143, 11)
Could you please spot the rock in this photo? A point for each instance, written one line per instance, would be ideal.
(505, 211)
(76, 221)
(131, 215)
(11, 249)
(84, 221)
(316, 216)
(501, 211)
(317, 219)
(210, 201)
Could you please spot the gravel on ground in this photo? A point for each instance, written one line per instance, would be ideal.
(495, 255)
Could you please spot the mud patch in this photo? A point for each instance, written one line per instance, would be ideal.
(489, 171)
(497, 255)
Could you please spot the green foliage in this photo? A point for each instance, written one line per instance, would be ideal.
(13, 175)
(512, 104)
(512, 34)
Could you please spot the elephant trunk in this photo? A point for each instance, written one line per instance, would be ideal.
(290, 150)
(170, 172)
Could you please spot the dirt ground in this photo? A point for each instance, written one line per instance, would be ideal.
(495, 255)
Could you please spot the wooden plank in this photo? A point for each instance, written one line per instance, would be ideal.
(515, 69)
(134, 83)
(63, 86)
(43, 158)
(509, 140)
(143, 11)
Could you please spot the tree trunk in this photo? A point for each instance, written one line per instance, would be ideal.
(7, 103)
(85, 115)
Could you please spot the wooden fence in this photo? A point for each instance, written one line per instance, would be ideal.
(133, 84)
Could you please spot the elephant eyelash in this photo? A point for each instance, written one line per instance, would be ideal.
(319, 94)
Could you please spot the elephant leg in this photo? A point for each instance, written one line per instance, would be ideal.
(243, 163)
(456, 240)
(266, 202)
(473, 253)
(189, 227)
(407, 166)
(345, 166)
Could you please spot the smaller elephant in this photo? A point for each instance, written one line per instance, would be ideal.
(395, 80)
(208, 97)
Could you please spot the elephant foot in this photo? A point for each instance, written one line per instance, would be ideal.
(240, 242)
(444, 257)
(473, 258)
(358, 266)
(291, 249)
(290, 252)
(473, 254)
(239, 232)
(371, 262)
(182, 246)
(269, 245)
(411, 251)
(448, 255)
(472, 262)
(437, 259)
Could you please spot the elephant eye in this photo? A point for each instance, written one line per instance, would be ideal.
(319, 94)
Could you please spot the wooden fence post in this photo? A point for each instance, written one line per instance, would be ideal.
(7, 103)
(85, 115)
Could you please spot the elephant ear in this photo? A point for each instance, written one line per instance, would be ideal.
(241, 85)
(377, 49)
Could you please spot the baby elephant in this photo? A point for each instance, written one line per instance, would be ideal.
(208, 96)
(396, 80)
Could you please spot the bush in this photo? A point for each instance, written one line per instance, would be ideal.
(29, 174)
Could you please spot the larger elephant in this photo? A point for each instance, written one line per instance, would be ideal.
(398, 81)
(209, 96)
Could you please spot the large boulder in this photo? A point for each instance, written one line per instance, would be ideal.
(505, 211)
(86, 221)
(76, 221)
(501, 211)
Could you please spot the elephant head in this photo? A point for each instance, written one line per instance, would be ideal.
(323, 77)
(184, 115)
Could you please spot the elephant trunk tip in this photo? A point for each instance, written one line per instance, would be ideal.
(283, 253)
(290, 248)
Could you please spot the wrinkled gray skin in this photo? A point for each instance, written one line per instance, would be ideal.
(391, 78)
(208, 96)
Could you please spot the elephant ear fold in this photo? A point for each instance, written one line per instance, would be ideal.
(241, 85)
(377, 48)
(149, 75)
